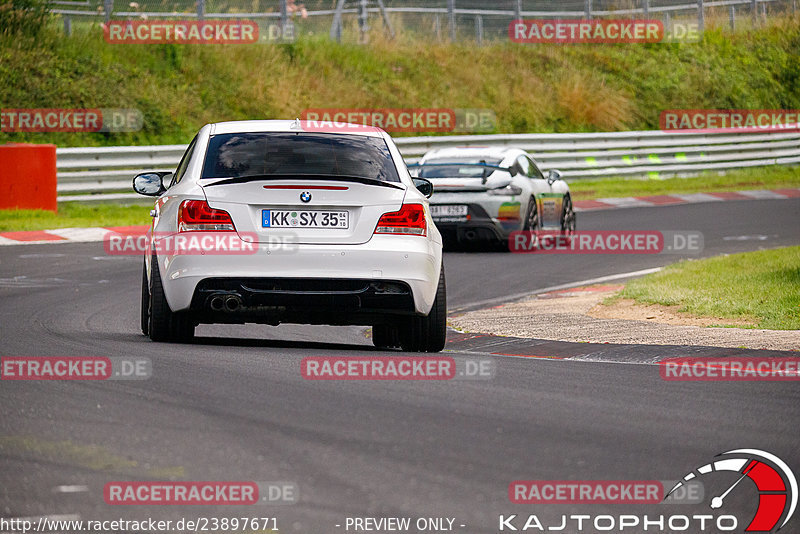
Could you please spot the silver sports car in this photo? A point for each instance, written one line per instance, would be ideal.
(485, 193)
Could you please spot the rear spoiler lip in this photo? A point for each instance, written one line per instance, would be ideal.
(321, 177)
(461, 189)
(457, 164)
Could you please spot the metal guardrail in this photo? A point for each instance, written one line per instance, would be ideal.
(510, 8)
(100, 170)
(458, 18)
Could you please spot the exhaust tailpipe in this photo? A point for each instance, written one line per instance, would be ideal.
(217, 303)
(470, 234)
(232, 303)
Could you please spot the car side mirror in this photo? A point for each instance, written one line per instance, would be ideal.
(151, 184)
(553, 175)
(423, 186)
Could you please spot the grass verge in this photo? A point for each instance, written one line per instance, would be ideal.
(537, 88)
(775, 177)
(75, 215)
(763, 286)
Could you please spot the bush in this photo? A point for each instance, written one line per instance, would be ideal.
(27, 17)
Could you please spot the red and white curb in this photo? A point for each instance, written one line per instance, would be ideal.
(89, 235)
(67, 235)
(694, 198)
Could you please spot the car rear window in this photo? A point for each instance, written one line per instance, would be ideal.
(458, 167)
(240, 155)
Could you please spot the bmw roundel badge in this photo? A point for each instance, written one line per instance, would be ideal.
(305, 196)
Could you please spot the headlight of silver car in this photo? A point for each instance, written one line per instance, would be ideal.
(508, 191)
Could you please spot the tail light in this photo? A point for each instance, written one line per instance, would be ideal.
(197, 215)
(410, 220)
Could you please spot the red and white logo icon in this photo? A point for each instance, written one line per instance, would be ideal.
(775, 482)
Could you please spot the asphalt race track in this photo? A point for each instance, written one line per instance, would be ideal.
(233, 406)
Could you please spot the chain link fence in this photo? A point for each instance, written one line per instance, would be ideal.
(456, 20)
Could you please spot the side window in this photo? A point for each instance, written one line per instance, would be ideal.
(181, 170)
(524, 166)
(535, 172)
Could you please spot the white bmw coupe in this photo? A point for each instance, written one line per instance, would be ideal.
(276, 221)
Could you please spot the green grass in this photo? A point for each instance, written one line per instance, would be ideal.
(531, 88)
(762, 286)
(75, 215)
(775, 177)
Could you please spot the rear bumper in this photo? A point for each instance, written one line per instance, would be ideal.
(478, 225)
(302, 271)
(301, 300)
(478, 230)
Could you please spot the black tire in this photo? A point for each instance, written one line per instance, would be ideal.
(569, 220)
(145, 309)
(532, 222)
(427, 334)
(164, 324)
(385, 336)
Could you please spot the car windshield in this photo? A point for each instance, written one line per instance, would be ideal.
(458, 168)
(240, 155)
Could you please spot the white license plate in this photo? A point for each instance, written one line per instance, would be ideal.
(440, 210)
(304, 219)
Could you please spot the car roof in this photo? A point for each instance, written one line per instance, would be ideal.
(498, 152)
(255, 126)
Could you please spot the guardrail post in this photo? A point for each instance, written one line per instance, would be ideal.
(701, 18)
(437, 27)
(733, 18)
(451, 18)
(588, 9)
(67, 25)
(646, 8)
(667, 23)
(336, 25)
(386, 21)
(754, 9)
(479, 30)
(108, 7)
(518, 10)
(201, 9)
(284, 15)
(363, 21)
(287, 24)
